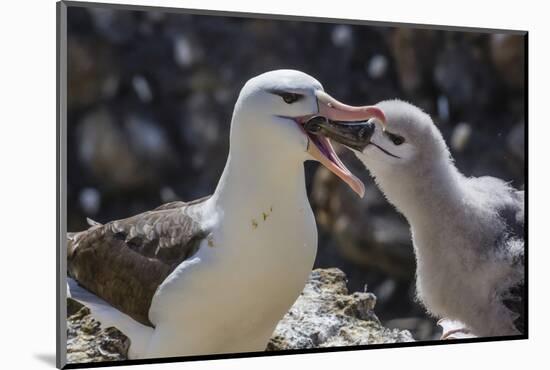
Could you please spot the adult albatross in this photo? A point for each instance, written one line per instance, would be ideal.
(468, 233)
(216, 275)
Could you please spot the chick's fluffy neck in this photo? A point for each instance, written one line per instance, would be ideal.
(424, 193)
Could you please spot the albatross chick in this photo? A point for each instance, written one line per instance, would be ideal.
(468, 233)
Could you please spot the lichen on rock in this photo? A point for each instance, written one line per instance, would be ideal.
(325, 315)
(88, 342)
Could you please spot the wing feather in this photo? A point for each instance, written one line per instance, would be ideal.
(509, 246)
(124, 261)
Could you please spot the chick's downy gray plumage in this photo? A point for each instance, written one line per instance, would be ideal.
(468, 233)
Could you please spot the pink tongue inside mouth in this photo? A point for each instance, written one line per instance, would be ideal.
(325, 146)
(320, 147)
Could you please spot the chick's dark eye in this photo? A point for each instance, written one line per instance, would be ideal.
(395, 139)
(290, 98)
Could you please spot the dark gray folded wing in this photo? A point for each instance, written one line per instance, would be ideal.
(513, 299)
(124, 261)
(509, 246)
(513, 215)
(513, 247)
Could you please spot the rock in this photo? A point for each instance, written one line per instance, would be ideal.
(413, 53)
(125, 153)
(116, 26)
(516, 141)
(183, 51)
(105, 152)
(88, 342)
(508, 54)
(88, 71)
(142, 89)
(325, 315)
(443, 109)
(342, 35)
(461, 136)
(463, 74)
(377, 66)
(90, 200)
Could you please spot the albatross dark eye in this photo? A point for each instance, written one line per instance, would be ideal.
(395, 139)
(290, 98)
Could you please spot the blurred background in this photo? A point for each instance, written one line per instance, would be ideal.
(150, 97)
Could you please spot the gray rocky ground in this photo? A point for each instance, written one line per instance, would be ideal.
(324, 315)
(87, 341)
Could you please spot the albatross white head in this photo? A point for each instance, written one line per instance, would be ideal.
(270, 113)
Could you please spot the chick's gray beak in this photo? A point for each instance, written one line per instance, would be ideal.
(355, 135)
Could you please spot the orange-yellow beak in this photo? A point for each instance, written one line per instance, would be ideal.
(320, 147)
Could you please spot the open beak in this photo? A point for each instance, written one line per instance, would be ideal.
(320, 147)
(355, 135)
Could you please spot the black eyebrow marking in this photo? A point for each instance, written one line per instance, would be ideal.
(275, 91)
(282, 92)
(288, 96)
(393, 136)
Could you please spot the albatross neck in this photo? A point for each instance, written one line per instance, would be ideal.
(251, 178)
(433, 192)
